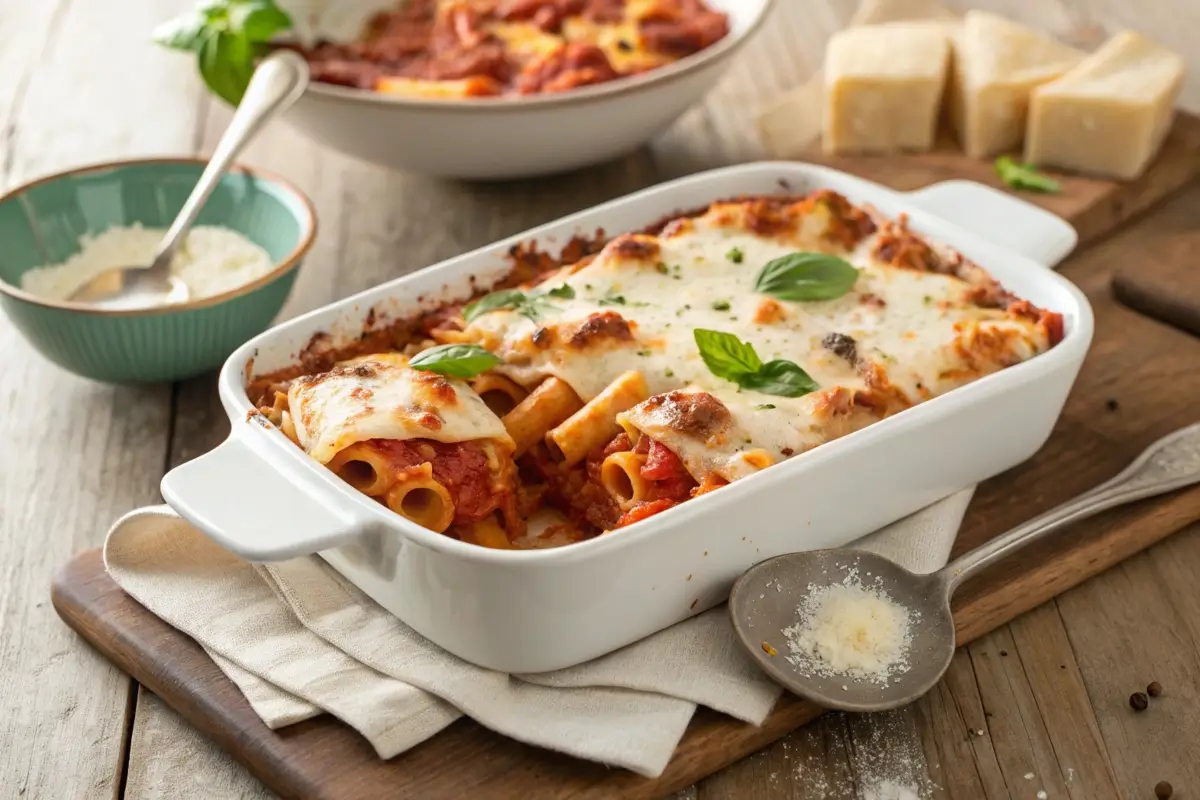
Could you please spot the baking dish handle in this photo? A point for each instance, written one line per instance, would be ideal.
(253, 508)
(1005, 220)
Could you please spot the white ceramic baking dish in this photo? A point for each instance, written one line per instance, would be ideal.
(528, 611)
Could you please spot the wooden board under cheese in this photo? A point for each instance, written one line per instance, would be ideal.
(1109, 115)
(997, 63)
(883, 88)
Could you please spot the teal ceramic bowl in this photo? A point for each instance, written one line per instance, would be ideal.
(42, 222)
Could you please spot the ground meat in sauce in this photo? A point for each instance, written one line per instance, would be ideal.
(461, 467)
(695, 414)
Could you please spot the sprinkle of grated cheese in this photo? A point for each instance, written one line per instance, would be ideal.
(852, 630)
(211, 261)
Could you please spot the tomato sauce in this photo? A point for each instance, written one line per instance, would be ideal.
(448, 41)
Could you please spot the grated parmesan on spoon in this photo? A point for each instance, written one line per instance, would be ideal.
(849, 629)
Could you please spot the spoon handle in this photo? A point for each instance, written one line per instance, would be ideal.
(1170, 463)
(276, 84)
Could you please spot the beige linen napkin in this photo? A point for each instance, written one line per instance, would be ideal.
(297, 639)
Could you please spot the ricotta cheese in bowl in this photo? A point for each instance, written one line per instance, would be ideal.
(212, 260)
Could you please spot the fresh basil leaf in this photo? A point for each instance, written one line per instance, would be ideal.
(226, 64)
(563, 292)
(806, 277)
(781, 378)
(185, 32)
(728, 357)
(258, 20)
(507, 298)
(228, 37)
(1025, 176)
(455, 360)
(531, 306)
(725, 355)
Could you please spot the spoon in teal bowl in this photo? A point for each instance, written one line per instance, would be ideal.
(761, 615)
(277, 83)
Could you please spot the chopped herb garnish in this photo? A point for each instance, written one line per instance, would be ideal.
(645, 352)
(661, 267)
(805, 277)
(670, 373)
(730, 358)
(720, 305)
(455, 360)
(1025, 176)
(928, 299)
(530, 305)
(735, 255)
(563, 292)
(764, 406)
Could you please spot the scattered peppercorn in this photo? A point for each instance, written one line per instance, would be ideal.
(1138, 701)
(1003, 652)
(1154, 689)
(1111, 404)
(1163, 790)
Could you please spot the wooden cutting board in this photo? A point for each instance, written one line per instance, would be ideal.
(1168, 290)
(1136, 385)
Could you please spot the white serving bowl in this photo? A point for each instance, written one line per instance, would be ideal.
(501, 138)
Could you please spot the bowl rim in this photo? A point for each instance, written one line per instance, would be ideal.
(626, 84)
(288, 263)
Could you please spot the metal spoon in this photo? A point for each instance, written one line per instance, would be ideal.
(277, 83)
(759, 614)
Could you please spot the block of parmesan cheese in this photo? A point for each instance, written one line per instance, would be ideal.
(883, 88)
(1110, 114)
(997, 64)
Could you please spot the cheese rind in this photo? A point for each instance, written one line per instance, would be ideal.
(997, 63)
(1109, 115)
(883, 87)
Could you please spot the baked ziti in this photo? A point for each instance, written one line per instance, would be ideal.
(593, 390)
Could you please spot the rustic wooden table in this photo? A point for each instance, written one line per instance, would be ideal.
(1038, 705)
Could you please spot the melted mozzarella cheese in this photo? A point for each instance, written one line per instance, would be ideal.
(913, 327)
(381, 397)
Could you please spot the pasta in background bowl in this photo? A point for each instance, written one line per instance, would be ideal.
(586, 92)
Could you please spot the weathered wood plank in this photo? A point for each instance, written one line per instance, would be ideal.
(1132, 625)
(1012, 721)
(174, 760)
(75, 454)
(1063, 704)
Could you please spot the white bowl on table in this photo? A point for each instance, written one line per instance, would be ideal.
(502, 138)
